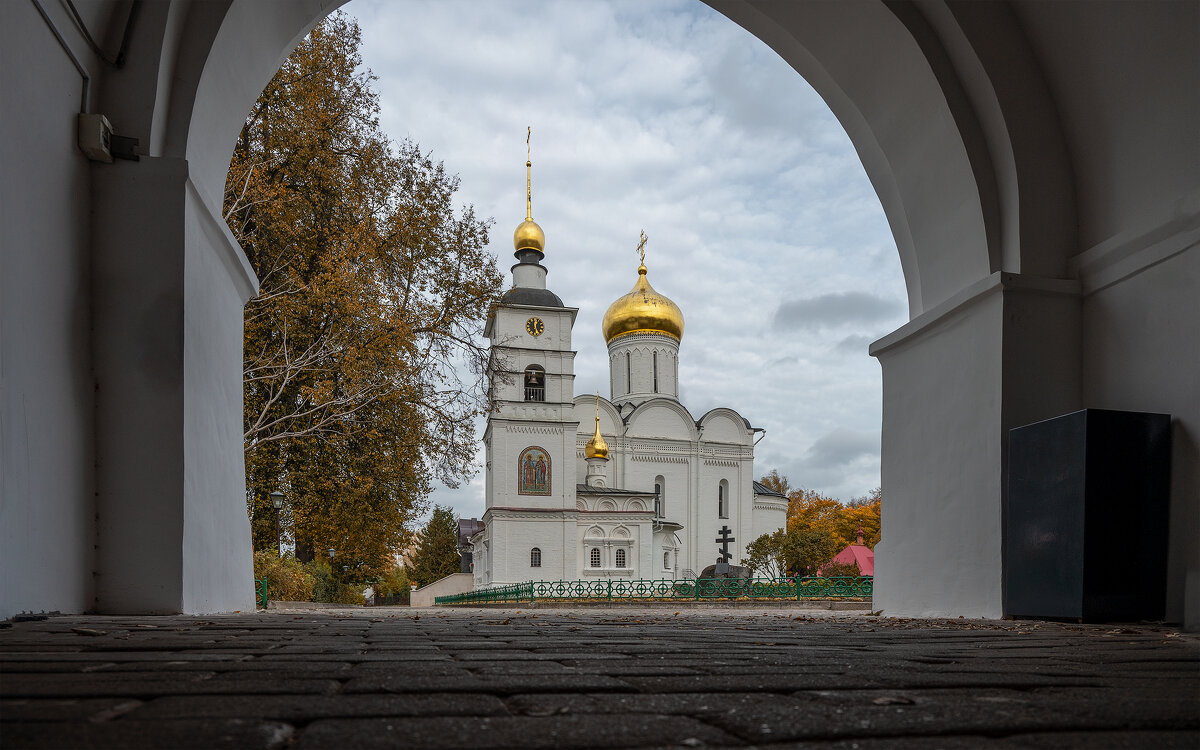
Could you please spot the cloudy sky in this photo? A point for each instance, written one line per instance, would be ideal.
(667, 117)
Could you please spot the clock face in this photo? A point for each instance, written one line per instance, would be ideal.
(535, 326)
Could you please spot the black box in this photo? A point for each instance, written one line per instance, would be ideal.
(1085, 528)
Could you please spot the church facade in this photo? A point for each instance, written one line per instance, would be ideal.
(585, 487)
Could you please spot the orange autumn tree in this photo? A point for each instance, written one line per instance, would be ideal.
(364, 355)
(809, 510)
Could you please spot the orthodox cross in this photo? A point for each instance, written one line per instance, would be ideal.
(724, 541)
(642, 248)
(528, 175)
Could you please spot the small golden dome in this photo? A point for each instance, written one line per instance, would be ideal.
(643, 310)
(596, 447)
(529, 236)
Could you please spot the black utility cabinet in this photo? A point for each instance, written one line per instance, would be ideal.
(1085, 532)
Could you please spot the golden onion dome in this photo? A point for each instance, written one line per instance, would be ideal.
(596, 447)
(643, 310)
(529, 236)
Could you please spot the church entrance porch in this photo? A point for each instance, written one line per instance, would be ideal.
(591, 678)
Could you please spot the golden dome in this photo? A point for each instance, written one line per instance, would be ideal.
(529, 236)
(596, 447)
(643, 310)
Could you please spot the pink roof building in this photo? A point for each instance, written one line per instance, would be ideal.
(858, 553)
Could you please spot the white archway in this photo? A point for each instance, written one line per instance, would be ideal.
(1033, 248)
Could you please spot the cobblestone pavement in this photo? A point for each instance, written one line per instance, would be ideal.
(588, 677)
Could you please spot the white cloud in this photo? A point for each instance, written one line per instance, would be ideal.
(667, 117)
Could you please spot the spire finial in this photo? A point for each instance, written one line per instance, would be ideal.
(641, 248)
(528, 175)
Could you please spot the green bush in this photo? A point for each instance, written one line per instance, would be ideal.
(288, 579)
(395, 583)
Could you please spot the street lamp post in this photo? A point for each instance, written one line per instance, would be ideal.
(277, 504)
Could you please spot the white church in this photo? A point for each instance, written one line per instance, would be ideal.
(583, 487)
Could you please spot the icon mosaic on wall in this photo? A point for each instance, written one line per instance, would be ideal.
(533, 472)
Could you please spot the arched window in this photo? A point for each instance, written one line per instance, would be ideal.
(620, 558)
(723, 499)
(628, 373)
(655, 372)
(535, 558)
(666, 561)
(660, 499)
(535, 383)
(594, 557)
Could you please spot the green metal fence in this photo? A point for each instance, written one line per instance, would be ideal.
(260, 588)
(697, 589)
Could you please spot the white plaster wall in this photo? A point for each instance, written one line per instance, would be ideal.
(1124, 77)
(723, 428)
(512, 537)
(509, 439)
(510, 327)
(46, 424)
(768, 517)
(139, 304)
(661, 419)
(636, 382)
(455, 583)
(217, 574)
(941, 548)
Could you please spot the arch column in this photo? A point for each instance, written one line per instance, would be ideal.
(1002, 353)
(169, 283)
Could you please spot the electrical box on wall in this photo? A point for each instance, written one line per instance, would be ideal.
(95, 137)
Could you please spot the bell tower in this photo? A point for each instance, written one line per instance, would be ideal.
(530, 435)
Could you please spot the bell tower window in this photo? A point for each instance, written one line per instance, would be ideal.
(535, 383)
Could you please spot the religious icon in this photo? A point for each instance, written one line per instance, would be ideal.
(535, 326)
(533, 472)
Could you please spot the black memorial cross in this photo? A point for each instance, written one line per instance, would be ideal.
(724, 541)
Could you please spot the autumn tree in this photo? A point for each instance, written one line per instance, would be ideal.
(794, 551)
(766, 556)
(437, 552)
(809, 509)
(364, 354)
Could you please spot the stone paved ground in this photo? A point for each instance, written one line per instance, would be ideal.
(639, 677)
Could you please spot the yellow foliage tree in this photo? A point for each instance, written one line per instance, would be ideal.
(809, 510)
(364, 354)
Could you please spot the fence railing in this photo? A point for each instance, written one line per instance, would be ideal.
(260, 588)
(696, 589)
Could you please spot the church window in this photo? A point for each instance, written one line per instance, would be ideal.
(628, 373)
(620, 558)
(535, 383)
(659, 497)
(723, 499)
(656, 372)
(594, 557)
(535, 558)
(666, 561)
